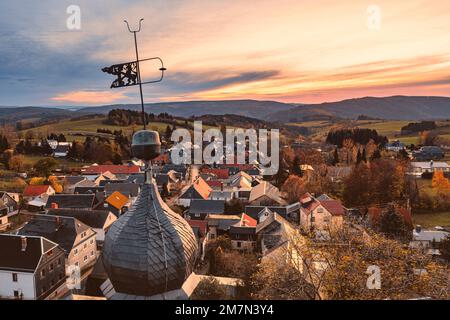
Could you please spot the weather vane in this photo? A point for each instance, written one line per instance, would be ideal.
(129, 74)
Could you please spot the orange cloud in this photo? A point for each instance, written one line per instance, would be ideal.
(90, 97)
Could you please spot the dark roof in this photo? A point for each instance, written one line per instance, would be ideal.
(284, 211)
(62, 148)
(62, 230)
(150, 249)
(127, 189)
(13, 258)
(136, 178)
(105, 182)
(88, 190)
(177, 168)
(71, 201)
(92, 218)
(71, 180)
(207, 206)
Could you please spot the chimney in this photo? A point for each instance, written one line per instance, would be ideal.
(54, 205)
(418, 228)
(24, 243)
(221, 186)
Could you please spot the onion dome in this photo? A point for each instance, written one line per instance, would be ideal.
(150, 249)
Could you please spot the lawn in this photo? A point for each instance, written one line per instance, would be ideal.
(70, 128)
(429, 220)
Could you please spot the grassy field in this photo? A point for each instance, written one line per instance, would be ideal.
(429, 220)
(78, 129)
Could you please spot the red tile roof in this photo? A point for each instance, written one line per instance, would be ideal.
(214, 183)
(247, 221)
(114, 169)
(220, 173)
(200, 224)
(334, 207)
(35, 190)
(162, 158)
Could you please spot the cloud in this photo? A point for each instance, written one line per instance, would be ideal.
(89, 97)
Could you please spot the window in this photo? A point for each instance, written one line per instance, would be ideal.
(14, 277)
(85, 258)
(59, 261)
(319, 210)
(51, 267)
(238, 244)
(43, 273)
(16, 293)
(85, 245)
(92, 253)
(75, 252)
(92, 241)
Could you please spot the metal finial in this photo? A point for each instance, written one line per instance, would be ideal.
(132, 31)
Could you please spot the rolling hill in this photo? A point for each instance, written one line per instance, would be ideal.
(389, 108)
(249, 108)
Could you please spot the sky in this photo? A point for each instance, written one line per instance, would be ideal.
(300, 51)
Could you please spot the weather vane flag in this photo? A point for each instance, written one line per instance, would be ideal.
(128, 73)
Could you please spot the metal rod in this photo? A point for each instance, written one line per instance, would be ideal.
(139, 80)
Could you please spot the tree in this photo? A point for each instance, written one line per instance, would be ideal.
(440, 182)
(294, 186)
(337, 269)
(296, 169)
(168, 133)
(56, 185)
(44, 167)
(393, 225)
(16, 163)
(209, 289)
(335, 157)
(376, 155)
(234, 206)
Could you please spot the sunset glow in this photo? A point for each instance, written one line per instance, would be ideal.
(296, 51)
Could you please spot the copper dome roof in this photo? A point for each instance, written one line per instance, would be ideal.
(150, 249)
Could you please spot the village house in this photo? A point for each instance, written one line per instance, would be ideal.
(419, 168)
(62, 150)
(117, 203)
(32, 192)
(274, 236)
(131, 190)
(89, 190)
(12, 205)
(200, 209)
(71, 201)
(224, 195)
(70, 183)
(31, 268)
(265, 194)
(243, 234)
(120, 171)
(75, 238)
(169, 180)
(395, 146)
(428, 153)
(428, 240)
(98, 220)
(324, 215)
(197, 190)
(220, 224)
(4, 219)
(290, 212)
